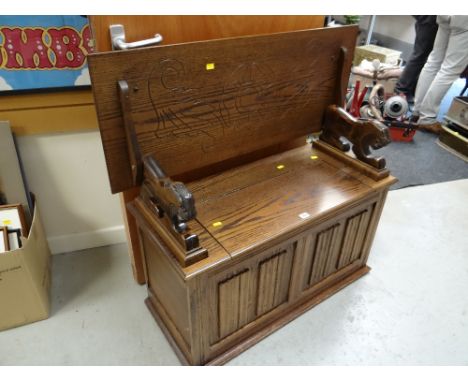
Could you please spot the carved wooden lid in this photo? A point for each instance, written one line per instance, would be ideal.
(204, 106)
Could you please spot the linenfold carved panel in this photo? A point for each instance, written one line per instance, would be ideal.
(324, 254)
(254, 291)
(274, 275)
(262, 284)
(335, 247)
(233, 303)
(353, 241)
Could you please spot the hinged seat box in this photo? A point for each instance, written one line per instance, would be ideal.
(246, 217)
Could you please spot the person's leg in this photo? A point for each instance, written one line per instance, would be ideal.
(456, 60)
(426, 31)
(432, 66)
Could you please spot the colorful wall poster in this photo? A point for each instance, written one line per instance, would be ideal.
(43, 52)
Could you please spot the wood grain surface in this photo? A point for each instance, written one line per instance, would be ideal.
(285, 224)
(199, 104)
(249, 205)
(265, 260)
(177, 28)
(216, 253)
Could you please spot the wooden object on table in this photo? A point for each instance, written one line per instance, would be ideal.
(284, 225)
(363, 134)
(178, 29)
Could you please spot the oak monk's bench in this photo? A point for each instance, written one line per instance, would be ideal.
(259, 195)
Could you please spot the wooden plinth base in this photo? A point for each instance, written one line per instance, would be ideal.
(288, 316)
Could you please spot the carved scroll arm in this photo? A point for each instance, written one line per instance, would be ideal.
(172, 199)
(363, 134)
(174, 205)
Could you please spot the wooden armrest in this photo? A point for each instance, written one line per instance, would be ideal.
(170, 198)
(363, 134)
(173, 206)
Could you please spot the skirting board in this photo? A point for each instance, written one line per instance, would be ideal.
(84, 240)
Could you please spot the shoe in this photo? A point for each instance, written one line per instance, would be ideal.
(434, 128)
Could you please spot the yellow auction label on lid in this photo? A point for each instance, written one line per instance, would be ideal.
(280, 166)
(217, 224)
(210, 66)
(313, 157)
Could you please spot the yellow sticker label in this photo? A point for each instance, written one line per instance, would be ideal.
(217, 224)
(314, 157)
(7, 222)
(280, 167)
(210, 66)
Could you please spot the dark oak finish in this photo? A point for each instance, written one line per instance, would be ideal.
(363, 134)
(284, 224)
(199, 104)
(178, 29)
(133, 240)
(267, 265)
(251, 215)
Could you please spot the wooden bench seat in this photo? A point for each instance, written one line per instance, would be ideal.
(247, 206)
(242, 223)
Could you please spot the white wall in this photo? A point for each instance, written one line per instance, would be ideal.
(68, 175)
(398, 27)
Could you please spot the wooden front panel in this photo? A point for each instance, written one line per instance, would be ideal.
(196, 105)
(249, 290)
(168, 292)
(274, 274)
(353, 241)
(251, 293)
(325, 251)
(233, 303)
(335, 245)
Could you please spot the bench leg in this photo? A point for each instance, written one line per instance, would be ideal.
(131, 230)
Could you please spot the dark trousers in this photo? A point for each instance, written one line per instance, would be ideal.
(426, 30)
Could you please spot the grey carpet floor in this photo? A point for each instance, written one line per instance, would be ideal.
(422, 161)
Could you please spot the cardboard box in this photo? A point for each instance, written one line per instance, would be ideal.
(371, 52)
(11, 180)
(25, 279)
(458, 112)
(454, 142)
